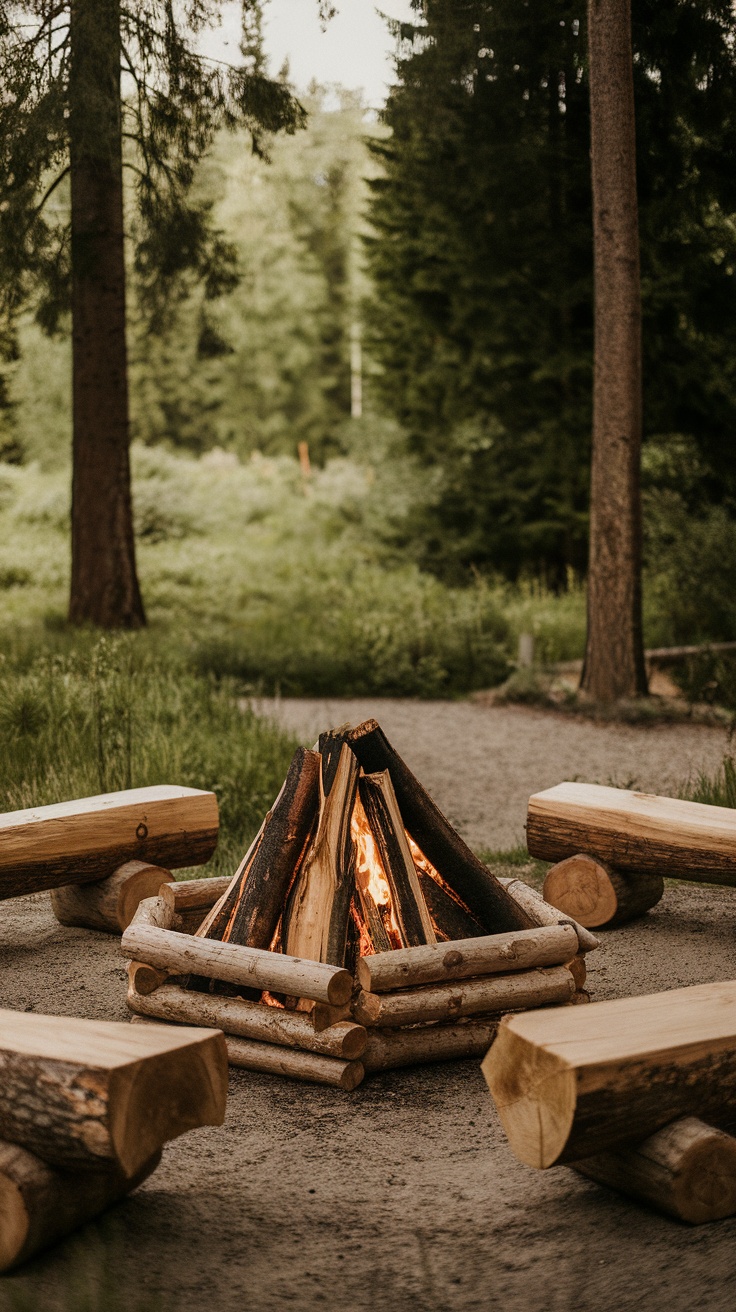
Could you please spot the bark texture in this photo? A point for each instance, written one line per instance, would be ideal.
(614, 658)
(104, 585)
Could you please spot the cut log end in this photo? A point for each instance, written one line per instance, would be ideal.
(109, 904)
(598, 896)
(537, 1127)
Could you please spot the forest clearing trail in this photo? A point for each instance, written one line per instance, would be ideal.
(482, 763)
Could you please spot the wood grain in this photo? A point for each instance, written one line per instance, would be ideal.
(109, 904)
(573, 1082)
(495, 994)
(598, 896)
(79, 841)
(492, 954)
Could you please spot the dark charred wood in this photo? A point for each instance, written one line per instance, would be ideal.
(409, 907)
(451, 918)
(465, 873)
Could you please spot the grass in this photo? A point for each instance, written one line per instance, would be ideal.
(111, 717)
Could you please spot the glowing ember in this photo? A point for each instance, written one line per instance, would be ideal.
(370, 878)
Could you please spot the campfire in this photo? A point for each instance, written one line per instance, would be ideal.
(357, 869)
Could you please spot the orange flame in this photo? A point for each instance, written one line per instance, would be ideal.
(370, 878)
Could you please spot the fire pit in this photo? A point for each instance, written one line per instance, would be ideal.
(359, 933)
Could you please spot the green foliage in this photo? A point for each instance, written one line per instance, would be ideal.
(482, 263)
(113, 717)
(718, 789)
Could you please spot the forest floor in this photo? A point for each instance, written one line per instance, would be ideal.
(404, 1194)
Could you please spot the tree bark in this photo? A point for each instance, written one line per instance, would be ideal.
(387, 1049)
(490, 995)
(494, 954)
(614, 658)
(541, 913)
(571, 1083)
(104, 582)
(109, 904)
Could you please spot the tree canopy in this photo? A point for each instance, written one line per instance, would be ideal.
(482, 261)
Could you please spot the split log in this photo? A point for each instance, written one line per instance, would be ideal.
(40, 1205)
(84, 840)
(249, 911)
(426, 1043)
(145, 979)
(493, 994)
(598, 896)
(250, 1020)
(542, 913)
(92, 1094)
(578, 970)
(108, 904)
(491, 955)
(410, 909)
(451, 918)
(636, 833)
(465, 873)
(575, 1082)
(687, 1170)
(181, 954)
(316, 921)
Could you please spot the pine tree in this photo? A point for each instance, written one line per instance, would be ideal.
(92, 87)
(482, 261)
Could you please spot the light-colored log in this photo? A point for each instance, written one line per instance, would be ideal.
(92, 1093)
(40, 1204)
(636, 833)
(427, 1043)
(182, 954)
(492, 954)
(108, 904)
(250, 1020)
(154, 913)
(598, 896)
(543, 914)
(309, 1066)
(687, 1170)
(184, 895)
(144, 979)
(575, 1081)
(579, 998)
(76, 842)
(493, 993)
(321, 1015)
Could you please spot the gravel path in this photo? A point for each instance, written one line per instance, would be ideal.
(482, 763)
(401, 1197)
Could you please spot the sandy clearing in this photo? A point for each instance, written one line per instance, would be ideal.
(402, 1196)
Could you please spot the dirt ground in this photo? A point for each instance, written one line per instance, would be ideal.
(402, 1195)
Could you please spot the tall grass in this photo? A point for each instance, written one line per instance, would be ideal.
(112, 717)
(717, 789)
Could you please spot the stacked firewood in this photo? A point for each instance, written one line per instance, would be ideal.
(630, 1093)
(85, 1109)
(359, 932)
(613, 848)
(100, 856)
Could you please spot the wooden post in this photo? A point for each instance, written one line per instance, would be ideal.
(493, 994)
(687, 1170)
(91, 1094)
(40, 1204)
(598, 896)
(577, 1081)
(108, 904)
(85, 840)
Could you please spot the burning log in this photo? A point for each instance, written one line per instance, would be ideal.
(108, 904)
(316, 921)
(492, 994)
(687, 1170)
(598, 896)
(426, 1043)
(81, 841)
(41, 1205)
(89, 1094)
(181, 954)
(250, 1020)
(249, 912)
(635, 832)
(274, 1060)
(541, 913)
(451, 918)
(466, 958)
(572, 1083)
(410, 909)
(465, 873)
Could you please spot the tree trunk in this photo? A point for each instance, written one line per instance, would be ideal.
(614, 658)
(104, 585)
